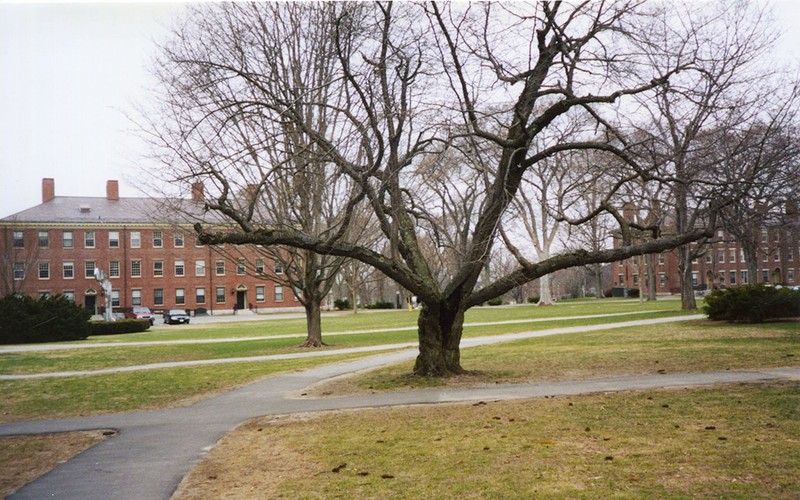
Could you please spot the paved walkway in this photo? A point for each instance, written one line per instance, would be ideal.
(152, 451)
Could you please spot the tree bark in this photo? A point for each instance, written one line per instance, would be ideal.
(651, 276)
(313, 324)
(688, 301)
(545, 297)
(440, 329)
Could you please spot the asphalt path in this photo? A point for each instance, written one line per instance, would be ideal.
(152, 451)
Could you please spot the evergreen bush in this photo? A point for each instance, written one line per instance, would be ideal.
(752, 304)
(118, 327)
(24, 319)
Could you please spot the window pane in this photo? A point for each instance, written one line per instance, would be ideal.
(200, 295)
(67, 239)
(113, 239)
(178, 240)
(240, 267)
(158, 239)
(136, 297)
(88, 239)
(44, 239)
(220, 292)
(180, 269)
(19, 270)
(113, 269)
(158, 297)
(69, 270)
(136, 239)
(200, 268)
(19, 239)
(136, 268)
(278, 293)
(260, 293)
(44, 270)
(220, 267)
(88, 269)
(114, 298)
(158, 268)
(180, 298)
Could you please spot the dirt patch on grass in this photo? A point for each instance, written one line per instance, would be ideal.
(24, 458)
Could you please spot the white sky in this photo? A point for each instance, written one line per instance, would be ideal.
(69, 72)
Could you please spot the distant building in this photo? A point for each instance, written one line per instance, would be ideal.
(150, 256)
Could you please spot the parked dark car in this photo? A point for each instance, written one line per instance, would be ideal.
(141, 313)
(176, 316)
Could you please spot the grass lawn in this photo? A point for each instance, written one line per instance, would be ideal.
(740, 441)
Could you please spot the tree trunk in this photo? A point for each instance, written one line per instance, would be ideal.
(313, 324)
(440, 329)
(598, 281)
(688, 302)
(651, 276)
(545, 297)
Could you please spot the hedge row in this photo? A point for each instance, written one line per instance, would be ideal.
(119, 326)
(752, 304)
(24, 319)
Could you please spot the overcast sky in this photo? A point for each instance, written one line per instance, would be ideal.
(70, 71)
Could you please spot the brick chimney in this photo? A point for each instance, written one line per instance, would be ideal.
(112, 190)
(198, 191)
(48, 189)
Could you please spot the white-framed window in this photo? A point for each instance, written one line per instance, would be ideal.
(136, 268)
(113, 269)
(44, 239)
(720, 256)
(278, 268)
(180, 296)
(765, 275)
(220, 294)
(44, 294)
(199, 268)
(200, 295)
(136, 297)
(19, 271)
(158, 239)
(66, 239)
(68, 270)
(44, 270)
(260, 296)
(661, 259)
(790, 254)
(278, 293)
(114, 298)
(731, 255)
(69, 295)
(732, 277)
(113, 239)
(158, 296)
(777, 256)
(136, 239)
(695, 279)
(18, 238)
(180, 269)
(743, 277)
(88, 269)
(662, 280)
(635, 279)
(219, 266)
(240, 267)
(708, 258)
(790, 275)
(620, 280)
(260, 266)
(158, 268)
(763, 235)
(178, 240)
(88, 239)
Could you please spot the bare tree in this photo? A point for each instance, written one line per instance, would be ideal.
(18, 265)
(408, 82)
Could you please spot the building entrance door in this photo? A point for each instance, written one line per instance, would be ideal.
(241, 299)
(90, 302)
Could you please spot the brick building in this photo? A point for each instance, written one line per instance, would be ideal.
(151, 258)
(723, 264)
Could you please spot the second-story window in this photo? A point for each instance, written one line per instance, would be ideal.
(44, 239)
(178, 240)
(113, 269)
(199, 268)
(88, 272)
(136, 268)
(44, 270)
(88, 239)
(158, 239)
(220, 267)
(240, 266)
(19, 239)
(136, 239)
(180, 268)
(158, 268)
(67, 239)
(113, 239)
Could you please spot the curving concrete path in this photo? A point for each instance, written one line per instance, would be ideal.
(152, 451)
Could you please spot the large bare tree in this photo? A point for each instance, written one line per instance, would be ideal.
(484, 83)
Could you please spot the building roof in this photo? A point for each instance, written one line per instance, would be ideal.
(96, 210)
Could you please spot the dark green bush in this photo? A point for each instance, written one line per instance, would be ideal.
(633, 293)
(342, 304)
(533, 300)
(752, 304)
(24, 319)
(495, 302)
(118, 327)
(380, 305)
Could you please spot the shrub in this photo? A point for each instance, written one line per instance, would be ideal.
(752, 304)
(633, 293)
(533, 300)
(342, 304)
(380, 305)
(495, 302)
(24, 319)
(118, 327)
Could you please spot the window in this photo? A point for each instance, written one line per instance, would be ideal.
(259, 293)
(67, 239)
(694, 279)
(70, 296)
(220, 291)
(661, 259)
(620, 280)
(790, 254)
(720, 256)
(743, 277)
(69, 270)
(88, 239)
(180, 297)
(113, 239)
(88, 269)
(635, 280)
(722, 278)
(790, 276)
(136, 239)
(763, 235)
(44, 270)
(662, 280)
(765, 276)
(113, 269)
(708, 258)
(44, 239)
(19, 239)
(180, 269)
(220, 267)
(199, 268)
(19, 271)
(260, 266)
(733, 277)
(136, 297)
(200, 295)
(158, 239)
(136, 268)
(44, 295)
(158, 268)
(178, 240)
(777, 256)
(278, 293)
(114, 298)
(731, 255)
(765, 257)
(240, 267)
(158, 297)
